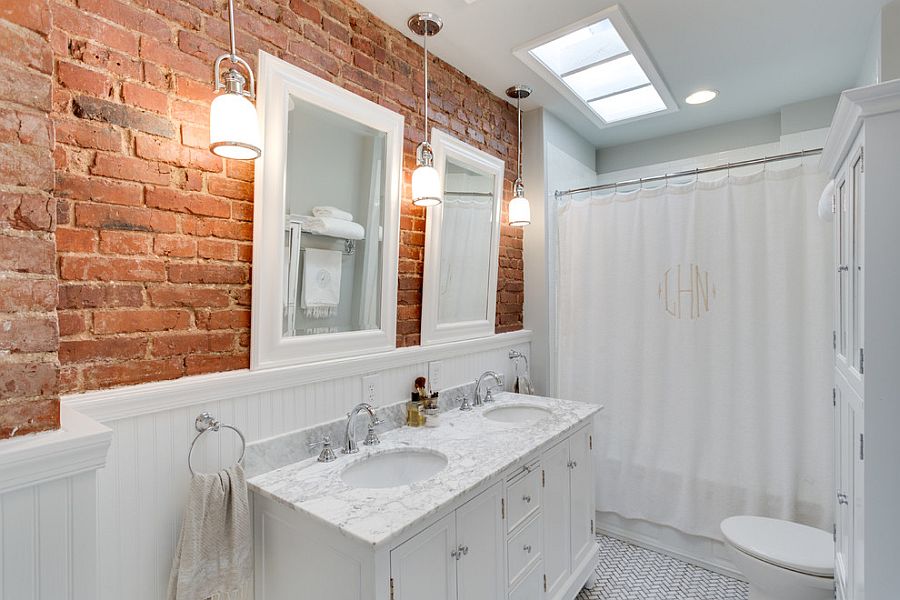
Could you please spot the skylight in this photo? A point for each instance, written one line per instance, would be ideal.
(600, 62)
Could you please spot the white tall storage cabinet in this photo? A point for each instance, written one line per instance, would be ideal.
(862, 154)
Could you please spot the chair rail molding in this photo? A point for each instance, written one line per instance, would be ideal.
(80, 445)
(149, 398)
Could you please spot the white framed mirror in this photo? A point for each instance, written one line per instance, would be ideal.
(462, 244)
(326, 221)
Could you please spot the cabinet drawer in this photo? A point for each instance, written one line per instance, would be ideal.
(523, 497)
(531, 587)
(524, 549)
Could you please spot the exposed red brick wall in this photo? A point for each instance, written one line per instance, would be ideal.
(154, 232)
(29, 335)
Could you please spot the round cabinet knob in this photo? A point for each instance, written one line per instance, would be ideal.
(527, 548)
(526, 498)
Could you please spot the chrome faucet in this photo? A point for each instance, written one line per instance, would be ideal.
(350, 446)
(488, 397)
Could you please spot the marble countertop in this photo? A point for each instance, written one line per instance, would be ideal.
(476, 448)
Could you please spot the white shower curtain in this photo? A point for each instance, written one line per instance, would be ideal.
(700, 316)
(466, 227)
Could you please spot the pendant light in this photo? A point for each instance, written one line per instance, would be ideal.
(519, 208)
(426, 184)
(233, 127)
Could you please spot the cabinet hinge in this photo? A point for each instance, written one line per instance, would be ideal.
(543, 478)
(502, 508)
(590, 442)
(545, 582)
(592, 527)
(862, 359)
(862, 160)
(834, 396)
(392, 588)
(834, 531)
(833, 339)
(862, 453)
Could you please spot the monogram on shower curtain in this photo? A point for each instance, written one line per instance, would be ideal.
(700, 316)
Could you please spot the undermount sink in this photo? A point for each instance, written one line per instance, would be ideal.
(394, 468)
(516, 413)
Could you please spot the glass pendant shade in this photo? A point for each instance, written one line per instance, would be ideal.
(519, 212)
(426, 186)
(233, 127)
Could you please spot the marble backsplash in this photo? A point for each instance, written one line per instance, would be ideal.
(268, 454)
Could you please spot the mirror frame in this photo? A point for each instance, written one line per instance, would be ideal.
(278, 80)
(445, 147)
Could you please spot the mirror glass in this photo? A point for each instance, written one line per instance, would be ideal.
(467, 227)
(334, 202)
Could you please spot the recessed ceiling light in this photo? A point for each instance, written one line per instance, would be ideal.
(701, 97)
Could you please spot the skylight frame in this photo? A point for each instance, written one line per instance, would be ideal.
(623, 27)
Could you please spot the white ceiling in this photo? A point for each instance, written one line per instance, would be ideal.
(760, 54)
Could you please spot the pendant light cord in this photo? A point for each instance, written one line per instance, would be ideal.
(231, 29)
(519, 140)
(425, 46)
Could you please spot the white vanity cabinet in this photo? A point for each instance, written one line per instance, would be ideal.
(862, 155)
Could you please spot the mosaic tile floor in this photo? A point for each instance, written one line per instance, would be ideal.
(628, 572)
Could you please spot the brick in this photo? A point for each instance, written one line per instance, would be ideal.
(88, 134)
(30, 415)
(128, 16)
(144, 97)
(195, 204)
(86, 25)
(33, 295)
(134, 321)
(131, 169)
(96, 109)
(76, 240)
(224, 319)
(153, 148)
(188, 295)
(25, 48)
(217, 249)
(166, 53)
(189, 343)
(26, 165)
(306, 10)
(125, 242)
(199, 46)
(17, 127)
(242, 211)
(207, 273)
(28, 211)
(230, 188)
(24, 380)
(240, 169)
(26, 254)
(196, 365)
(28, 334)
(94, 189)
(119, 348)
(80, 79)
(131, 372)
(196, 136)
(220, 228)
(189, 17)
(79, 295)
(97, 268)
(31, 14)
(189, 89)
(115, 62)
(175, 245)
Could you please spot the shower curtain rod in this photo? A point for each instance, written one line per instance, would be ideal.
(724, 167)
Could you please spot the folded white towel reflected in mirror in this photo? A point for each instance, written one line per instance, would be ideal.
(331, 212)
(338, 228)
(321, 291)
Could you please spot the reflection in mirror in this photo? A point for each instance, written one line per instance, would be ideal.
(334, 207)
(466, 242)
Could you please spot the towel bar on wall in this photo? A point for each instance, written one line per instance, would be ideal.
(206, 422)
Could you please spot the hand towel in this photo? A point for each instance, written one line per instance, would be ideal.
(332, 212)
(321, 283)
(214, 557)
(338, 228)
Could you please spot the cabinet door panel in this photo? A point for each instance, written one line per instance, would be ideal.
(531, 588)
(479, 531)
(556, 516)
(581, 494)
(422, 567)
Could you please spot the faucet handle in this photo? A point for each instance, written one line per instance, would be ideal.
(327, 454)
(465, 402)
(371, 437)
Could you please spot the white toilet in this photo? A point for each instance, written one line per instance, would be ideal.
(780, 559)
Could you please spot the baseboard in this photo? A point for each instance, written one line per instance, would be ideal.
(622, 532)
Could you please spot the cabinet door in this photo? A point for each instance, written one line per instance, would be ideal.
(581, 493)
(849, 482)
(842, 270)
(480, 540)
(857, 208)
(422, 568)
(556, 516)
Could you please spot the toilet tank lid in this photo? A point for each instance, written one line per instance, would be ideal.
(782, 543)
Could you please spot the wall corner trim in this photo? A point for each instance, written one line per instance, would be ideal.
(80, 445)
(149, 398)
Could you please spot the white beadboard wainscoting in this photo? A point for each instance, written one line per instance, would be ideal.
(144, 485)
(48, 512)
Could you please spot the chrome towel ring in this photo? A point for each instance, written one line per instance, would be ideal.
(206, 422)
